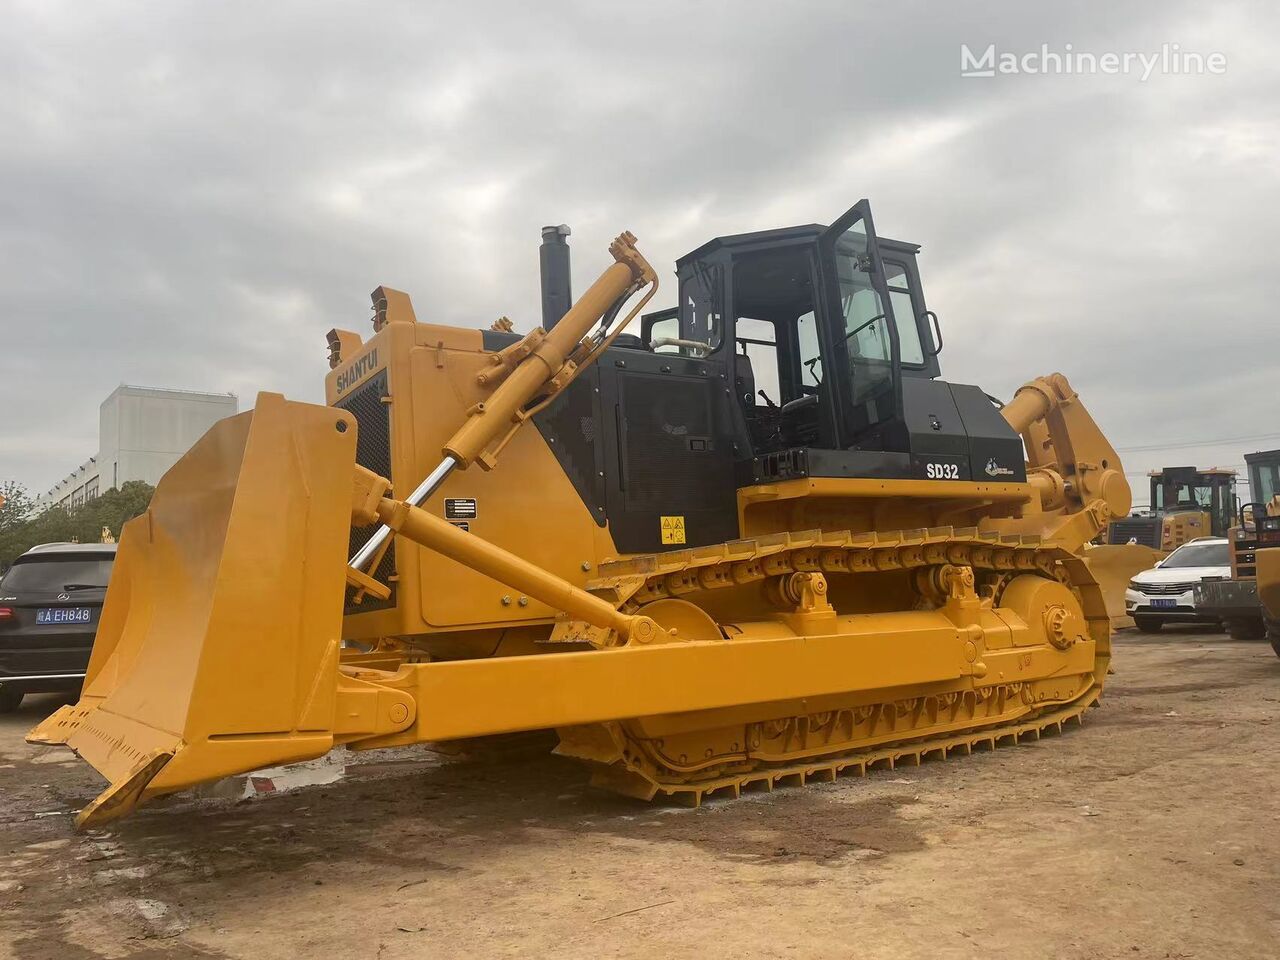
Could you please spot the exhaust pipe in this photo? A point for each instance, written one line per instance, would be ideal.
(553, 255)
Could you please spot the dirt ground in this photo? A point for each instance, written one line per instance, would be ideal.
(1153, 832)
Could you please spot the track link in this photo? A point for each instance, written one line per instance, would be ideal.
(851, 738)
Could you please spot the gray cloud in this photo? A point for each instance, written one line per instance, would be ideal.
(193, 194)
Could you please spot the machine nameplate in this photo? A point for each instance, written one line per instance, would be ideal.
(459, 508)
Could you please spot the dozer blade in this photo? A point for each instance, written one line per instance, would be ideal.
(217, 651)
(1113, 566)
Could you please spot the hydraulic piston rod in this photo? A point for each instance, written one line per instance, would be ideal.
(548, 353)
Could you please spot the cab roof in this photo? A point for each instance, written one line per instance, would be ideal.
(808, 231)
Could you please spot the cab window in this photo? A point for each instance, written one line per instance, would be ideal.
(906, 313)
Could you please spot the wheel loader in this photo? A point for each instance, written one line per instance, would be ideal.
(1186, 503)
(1254, 543)
(759, 543)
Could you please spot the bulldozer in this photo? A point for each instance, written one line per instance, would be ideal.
(759, 543)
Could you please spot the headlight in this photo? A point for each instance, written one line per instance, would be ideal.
(1135, 585)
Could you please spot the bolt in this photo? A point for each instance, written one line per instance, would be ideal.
(524, 601)
(506, 601)
(585, 566)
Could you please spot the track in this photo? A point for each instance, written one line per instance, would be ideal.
(758, 747)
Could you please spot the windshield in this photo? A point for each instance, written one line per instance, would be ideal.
(53, 574)
(1198, 555)
(1266, 481)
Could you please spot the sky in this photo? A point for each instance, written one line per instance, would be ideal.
(192, 194)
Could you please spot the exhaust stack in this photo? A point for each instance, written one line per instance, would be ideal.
(553, 255)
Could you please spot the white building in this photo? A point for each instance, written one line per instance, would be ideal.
(142, 431)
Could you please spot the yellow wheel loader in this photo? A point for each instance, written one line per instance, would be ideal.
(1268, 566)
(759, 543)
(1185, 503)
(1235, 600)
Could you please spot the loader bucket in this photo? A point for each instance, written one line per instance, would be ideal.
(217, 651)
(1113, 566)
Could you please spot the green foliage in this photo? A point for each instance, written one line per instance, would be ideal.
(17, 507)
(82, 524)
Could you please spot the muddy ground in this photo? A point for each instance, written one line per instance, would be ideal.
(1153, 832)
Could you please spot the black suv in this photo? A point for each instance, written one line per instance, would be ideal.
(50, 602)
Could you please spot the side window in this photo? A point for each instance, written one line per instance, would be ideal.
(758, 342)
(667, 328)
(905, 313)
(810, 352)
(700, 307)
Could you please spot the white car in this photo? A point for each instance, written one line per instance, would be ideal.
(1163, 594)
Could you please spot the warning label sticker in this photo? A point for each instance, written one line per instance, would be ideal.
(673, 529)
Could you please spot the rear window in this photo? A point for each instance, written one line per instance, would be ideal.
(57, 573)
(1199, 555)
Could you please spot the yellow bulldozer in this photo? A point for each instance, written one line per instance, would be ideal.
(759, 543)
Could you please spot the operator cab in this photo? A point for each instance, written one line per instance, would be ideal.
(833, 358)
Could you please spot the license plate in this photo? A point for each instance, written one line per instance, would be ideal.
(64, 615)
(1164, 602)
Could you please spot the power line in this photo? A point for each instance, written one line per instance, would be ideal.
(1218, 466)
(1183, 445)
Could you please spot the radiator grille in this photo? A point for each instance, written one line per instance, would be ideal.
(1164, 589)
(373, 451)
(669, 464)
(1143, 530)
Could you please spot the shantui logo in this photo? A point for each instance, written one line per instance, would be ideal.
(359, 368)
(995, 470)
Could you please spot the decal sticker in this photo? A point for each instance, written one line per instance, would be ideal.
(995, 470)
(942, 471)
(461, 525)
(672, 529)
(459, 508)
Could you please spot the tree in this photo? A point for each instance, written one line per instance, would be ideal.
(16, 505)
(82, 524)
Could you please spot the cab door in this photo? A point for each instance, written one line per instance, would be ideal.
(860, 336)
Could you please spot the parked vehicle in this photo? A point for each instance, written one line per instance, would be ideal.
(1235, 601)
(1165, 593)
(50, 602)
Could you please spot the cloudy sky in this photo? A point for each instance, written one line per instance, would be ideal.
(191, 194)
